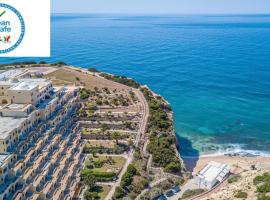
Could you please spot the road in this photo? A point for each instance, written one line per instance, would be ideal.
(141, 132)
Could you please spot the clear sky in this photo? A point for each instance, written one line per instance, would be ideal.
(162, 6)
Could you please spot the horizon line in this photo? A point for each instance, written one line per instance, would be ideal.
(149, 14)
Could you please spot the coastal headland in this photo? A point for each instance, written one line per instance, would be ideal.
(127, 140)
(128, 144)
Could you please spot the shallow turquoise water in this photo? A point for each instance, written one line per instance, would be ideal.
(214, 70)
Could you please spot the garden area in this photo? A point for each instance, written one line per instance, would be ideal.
(94, 191)
(106, 147)
(132, 183)
(104, 168)
(98, 134)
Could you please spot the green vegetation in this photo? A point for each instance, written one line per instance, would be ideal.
(158, 119)
(90, 181)
(241, 195)
(234, 178)
(84, 93)
(106, 148)
(263, 197)
(133, 96)
(96, 193)
(162, 139)
(128, 176)
(132, 183)
(103, 168)
(263, 186)
(190, 193)
(105, 163)
(262, 179)
(121, 79)
(96, 134)
(164, 153)
(100, 176)
(119, 193)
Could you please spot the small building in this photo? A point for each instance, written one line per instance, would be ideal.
(212, 174)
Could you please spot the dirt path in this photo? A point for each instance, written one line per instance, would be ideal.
(141, 132)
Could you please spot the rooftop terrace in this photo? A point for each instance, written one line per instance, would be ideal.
(10, 74)
(30, 84)
(9, 123)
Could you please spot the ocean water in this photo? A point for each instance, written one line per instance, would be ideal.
(214, 70)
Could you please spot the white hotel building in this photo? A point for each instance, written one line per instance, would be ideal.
(40, 150)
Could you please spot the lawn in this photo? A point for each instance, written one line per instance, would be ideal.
(105, 163)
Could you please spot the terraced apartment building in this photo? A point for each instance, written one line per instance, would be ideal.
(40, 148)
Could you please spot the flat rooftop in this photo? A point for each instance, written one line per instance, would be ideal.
(5, 76)
(213, 170)
(15, 107)
(30, 84)
(8, 124)
(24, 86)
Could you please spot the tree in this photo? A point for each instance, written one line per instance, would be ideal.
(131, 169)
(173, 167)
(88, 195)
(116, 136)
(119, 193)
(104, 127)
(90, 180)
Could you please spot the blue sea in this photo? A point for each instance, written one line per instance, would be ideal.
(214, 70)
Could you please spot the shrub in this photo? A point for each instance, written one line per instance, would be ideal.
(119, 193)
(173, 167)
(131, 169)
(261, 179)
(191, 193)
(264, 188)
(241, 195)
(263, 197)
(101, 176)
(84, 94)
(128, 176)
(126, 180)
(164, 153)
(233, 178)
(121, 79)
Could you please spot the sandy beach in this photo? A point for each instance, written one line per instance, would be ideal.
(194, 165)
